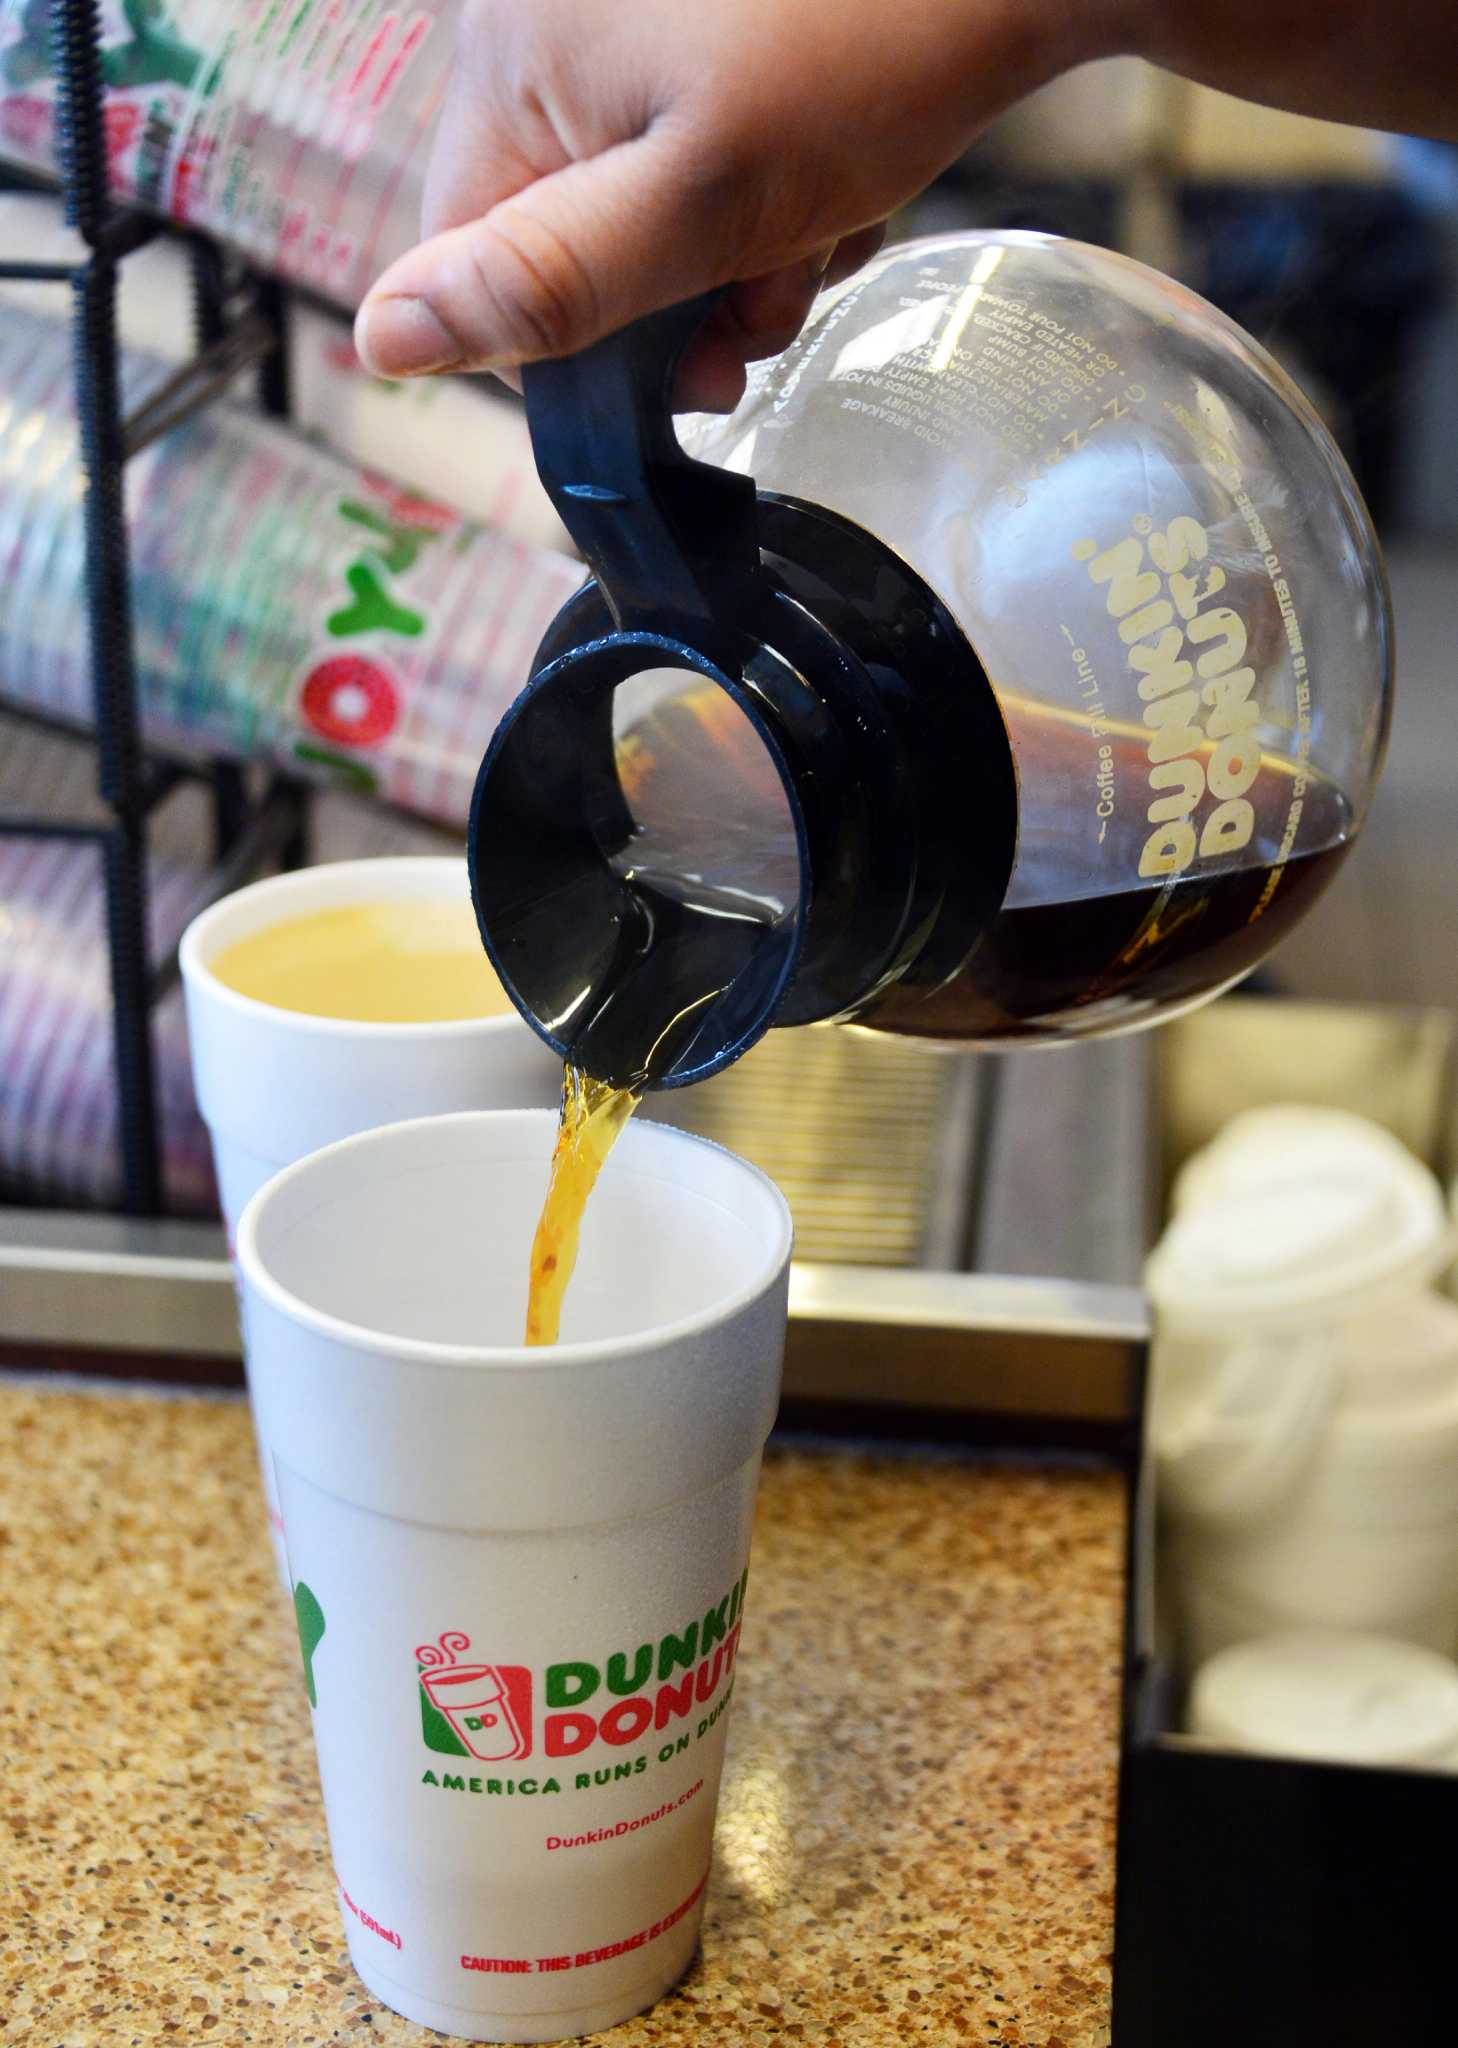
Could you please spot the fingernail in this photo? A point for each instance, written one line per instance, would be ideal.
(403, 337)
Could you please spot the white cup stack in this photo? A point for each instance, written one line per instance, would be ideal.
(1305, 1413)
(296, 134)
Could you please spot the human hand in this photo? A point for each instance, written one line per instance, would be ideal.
(596, 162)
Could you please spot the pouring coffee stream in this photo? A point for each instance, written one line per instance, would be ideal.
(1043, 707)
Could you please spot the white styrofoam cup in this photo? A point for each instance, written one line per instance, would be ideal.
(276, 1084)
(519, 1574)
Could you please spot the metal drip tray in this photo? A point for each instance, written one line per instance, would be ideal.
(893, 1153)
(872, 1140)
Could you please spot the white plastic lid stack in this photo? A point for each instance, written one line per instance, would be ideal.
(1267, 1143)
(1232, 1439)
(1395, 1425)
(1292, 1214)
(1331, 1697)
(1361, 1420)
(1312, 1479)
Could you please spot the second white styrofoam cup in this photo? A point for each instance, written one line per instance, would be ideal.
(274, 1085)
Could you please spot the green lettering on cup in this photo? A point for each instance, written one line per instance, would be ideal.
(350, 774)
(569, 1684)
(310, 1618)
(403, 543)
(715, 1626)
(624, 1682)
(373, 609)
(675, 1650)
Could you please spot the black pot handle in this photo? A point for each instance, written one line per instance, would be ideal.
(672, 541)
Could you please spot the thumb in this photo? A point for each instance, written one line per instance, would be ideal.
(557, 265)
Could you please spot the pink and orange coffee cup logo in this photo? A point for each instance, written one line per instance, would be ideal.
(471, 1708)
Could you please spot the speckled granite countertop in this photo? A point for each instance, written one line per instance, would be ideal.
(916, 1835)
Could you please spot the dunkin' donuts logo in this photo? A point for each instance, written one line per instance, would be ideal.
(1198, 693)
(672, 1689)
(470, 1708)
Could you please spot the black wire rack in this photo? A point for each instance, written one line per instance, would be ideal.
(239, 325)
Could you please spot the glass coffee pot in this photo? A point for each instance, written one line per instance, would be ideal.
(1013, 664)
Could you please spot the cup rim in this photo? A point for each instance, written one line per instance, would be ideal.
(197, 971)
(510, 1357)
